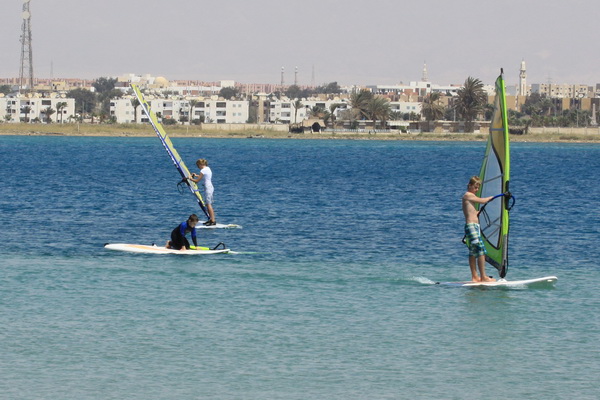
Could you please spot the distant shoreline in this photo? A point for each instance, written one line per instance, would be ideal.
(141, 130)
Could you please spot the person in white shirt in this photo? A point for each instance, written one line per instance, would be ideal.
(206, 174)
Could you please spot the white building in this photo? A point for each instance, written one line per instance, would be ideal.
(284, 111)
(30, 108)
(406, 107)
(211, 110)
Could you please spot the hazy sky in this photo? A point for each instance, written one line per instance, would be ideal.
(348, 41)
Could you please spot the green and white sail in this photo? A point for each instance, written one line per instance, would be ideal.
(495, 177)
(168, 145)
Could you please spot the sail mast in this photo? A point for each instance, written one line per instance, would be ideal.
(168, 145)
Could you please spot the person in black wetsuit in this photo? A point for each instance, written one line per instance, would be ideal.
(178, 240)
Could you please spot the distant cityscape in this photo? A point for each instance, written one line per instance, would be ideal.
(192, 101)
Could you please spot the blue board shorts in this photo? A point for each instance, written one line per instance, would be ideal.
(474, 240)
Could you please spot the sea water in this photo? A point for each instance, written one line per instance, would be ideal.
(332, 295)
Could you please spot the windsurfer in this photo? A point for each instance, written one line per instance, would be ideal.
(178, 240)
(206, 174)
(477, 250)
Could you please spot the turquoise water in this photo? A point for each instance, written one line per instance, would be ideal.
(333, 294)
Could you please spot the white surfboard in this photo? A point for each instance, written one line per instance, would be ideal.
(140, 248)
(219, 226)
(545, 281)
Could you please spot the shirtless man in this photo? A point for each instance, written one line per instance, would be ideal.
(477, 250)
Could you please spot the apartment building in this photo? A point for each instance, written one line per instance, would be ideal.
(27, 109)
(209, 110)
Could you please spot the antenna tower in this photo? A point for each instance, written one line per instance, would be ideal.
(26, 71)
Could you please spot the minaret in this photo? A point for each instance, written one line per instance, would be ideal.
(424, 78)
(296, 76)
(522, 80)
(282, 81)
(26, 71)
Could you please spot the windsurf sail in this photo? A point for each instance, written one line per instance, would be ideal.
(168, 145)
(495, 178)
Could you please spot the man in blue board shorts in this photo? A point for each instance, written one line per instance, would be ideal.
(178, 240)
(473, 232)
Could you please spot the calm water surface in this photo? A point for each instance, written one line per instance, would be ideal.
(332, 296)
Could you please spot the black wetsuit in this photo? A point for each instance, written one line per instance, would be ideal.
(178, 239)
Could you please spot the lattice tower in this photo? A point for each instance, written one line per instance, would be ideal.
(26, 71)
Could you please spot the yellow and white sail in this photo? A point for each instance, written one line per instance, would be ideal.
(166, 141)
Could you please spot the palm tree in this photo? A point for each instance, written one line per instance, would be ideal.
(48, 113)
(332, 108)
(317, 112)
(59, 109)
(26, 110)
(192, 105)
(471, 100)
(432, 110)
(297, 105)
(359, 101)
(379, 109)
(135, 103)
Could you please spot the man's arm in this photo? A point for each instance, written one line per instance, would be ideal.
(474, 199)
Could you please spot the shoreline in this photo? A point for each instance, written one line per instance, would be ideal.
(177, 131)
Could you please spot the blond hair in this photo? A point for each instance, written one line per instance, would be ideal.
(202, 161)
(475, 180)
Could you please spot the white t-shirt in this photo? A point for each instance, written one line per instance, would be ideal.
(207, 178)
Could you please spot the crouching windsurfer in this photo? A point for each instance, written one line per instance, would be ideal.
(178, 240)
(477, 250)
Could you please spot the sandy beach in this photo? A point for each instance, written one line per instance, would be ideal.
(140, 130)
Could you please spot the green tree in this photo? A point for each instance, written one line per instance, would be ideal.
(329, 88)
(48, 114)
(379, 109)
(297, 105)
(359, 101)
(332, 108)
(317, 112)
(229, 93)
(192, 104)
(59, 109)
(294, 92)
(5, 89)
(104, 85)
(85, 100)
(431, 109)
(471, 100)
(25, 110)
(135, 103)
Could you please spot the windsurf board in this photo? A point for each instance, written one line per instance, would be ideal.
(545, 281)
(140, 248)
(218, 226)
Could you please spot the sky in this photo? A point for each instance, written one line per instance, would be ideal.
(361, 42)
